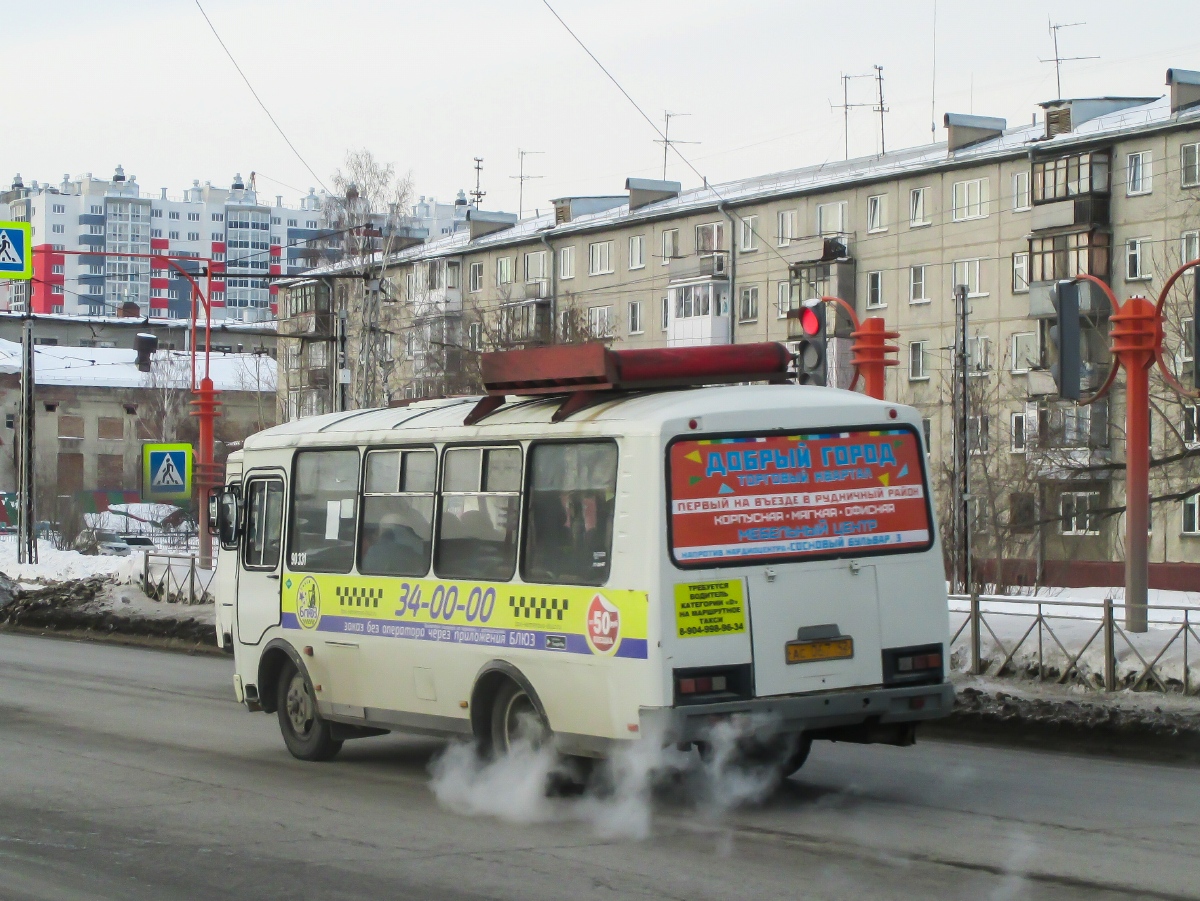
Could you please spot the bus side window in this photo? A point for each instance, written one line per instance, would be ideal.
(479, 515)
(397, 514)
(572, 495)
(264, 524)
(324, 496)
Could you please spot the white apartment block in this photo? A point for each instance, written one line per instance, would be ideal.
(1105, 186)
(249, 240)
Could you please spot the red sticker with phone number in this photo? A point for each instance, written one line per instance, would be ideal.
(799, 495)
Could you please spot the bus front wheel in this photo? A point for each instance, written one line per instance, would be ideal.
(306, 734)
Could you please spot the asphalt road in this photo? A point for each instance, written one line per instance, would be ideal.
(132, 774)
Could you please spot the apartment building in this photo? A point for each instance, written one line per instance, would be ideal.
(249, 239)
(1106, 186)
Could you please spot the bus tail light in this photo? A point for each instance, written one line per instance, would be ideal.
(700, 686)
(919, 665)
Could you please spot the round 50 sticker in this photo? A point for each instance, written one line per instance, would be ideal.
(603, 626)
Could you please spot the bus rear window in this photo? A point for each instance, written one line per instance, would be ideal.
(794, 497)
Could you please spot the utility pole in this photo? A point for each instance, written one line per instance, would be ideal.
(477, 195)
(27, 551)
(881, 109)
(845, 106)
(962, 443)
(521, 179)
(666, 141)
(1059, 60)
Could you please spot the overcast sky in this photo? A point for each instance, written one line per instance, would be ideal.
(430, 85)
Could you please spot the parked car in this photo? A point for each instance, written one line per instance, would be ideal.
(140, 543)
(103, 542)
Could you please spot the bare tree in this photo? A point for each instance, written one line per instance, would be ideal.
(166, 396)
(256, 374)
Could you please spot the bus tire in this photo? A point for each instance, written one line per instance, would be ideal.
(306, 734)
(516, 720)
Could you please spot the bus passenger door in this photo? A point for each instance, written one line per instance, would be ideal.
(258, 591)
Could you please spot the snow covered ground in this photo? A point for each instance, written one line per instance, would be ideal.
(57, 566)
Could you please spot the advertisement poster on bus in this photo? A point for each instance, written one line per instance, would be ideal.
(797, 496)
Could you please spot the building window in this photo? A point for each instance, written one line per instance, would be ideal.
(831, 218)
(785, 227)
(748, 307)
(193, 217)
(1189, 165)
(156, 233)
(875, 299)
(57, 269)
(710, 238)
(600, 322)
(476, 278)
(1135, 262)
(504, 275)
(1077, 512)
(99, 210)
(1020, 273)
(475, 336)
(917, 208)
(535, 266)
(566, 262)
(1191, 515)
(927, 434)
(966, 272)
(1191, 425)
(665, 313)
(877, 213)
(193, 236)
(1189, 246)
(1137, 173)
(917, 371)
(1017, 431)
(291, 223)
(1021, 195)
(637, 252)
(1066, 256)
(916, 284)
(635, 317)
(670, 245)
(978, 356)
(600, 260)
(1025, 354)
(749, 228)
(56, 289)
(58, 208)
(970, 199)
(174, 236)
(58, 228)
(783, 299)
(220, 217)
(977, 434)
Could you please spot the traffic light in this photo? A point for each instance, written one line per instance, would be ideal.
(811, 359)
(1065, 336)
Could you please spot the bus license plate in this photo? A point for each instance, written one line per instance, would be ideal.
(823, 649)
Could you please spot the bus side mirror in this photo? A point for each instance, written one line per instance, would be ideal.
(228, 518)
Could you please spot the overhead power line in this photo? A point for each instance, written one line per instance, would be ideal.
(282, 134)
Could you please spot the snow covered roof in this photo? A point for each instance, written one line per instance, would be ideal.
(112, 367)
(1141, 115)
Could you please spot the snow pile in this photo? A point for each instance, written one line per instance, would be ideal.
(58, 566)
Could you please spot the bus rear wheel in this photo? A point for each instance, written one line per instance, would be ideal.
(306, 734)
(516, 720)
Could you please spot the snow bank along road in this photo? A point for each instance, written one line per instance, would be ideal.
(131, 774)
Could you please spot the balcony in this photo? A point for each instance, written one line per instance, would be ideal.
(438, 302)
(320, 324)
(1093, 302)
(713, 265)
(819, 249)
(1070, 443)
(1083, 212)
(525, 323)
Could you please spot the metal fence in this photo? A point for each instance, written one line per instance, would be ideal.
(175, 578)
(1078, 642)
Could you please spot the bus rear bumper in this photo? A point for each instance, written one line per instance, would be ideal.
(867, 714)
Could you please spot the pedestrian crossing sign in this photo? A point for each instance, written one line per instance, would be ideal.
(16, 256)
(166, 471)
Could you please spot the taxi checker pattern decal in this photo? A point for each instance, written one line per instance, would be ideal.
(573, 620)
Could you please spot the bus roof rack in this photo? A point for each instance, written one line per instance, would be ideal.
(590, 373)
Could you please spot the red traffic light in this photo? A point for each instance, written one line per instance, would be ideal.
(810, 322)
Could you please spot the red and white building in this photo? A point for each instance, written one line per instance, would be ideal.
(250, 244)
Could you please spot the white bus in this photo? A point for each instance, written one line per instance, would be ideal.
(651, 564)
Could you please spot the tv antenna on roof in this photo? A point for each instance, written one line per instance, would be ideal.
(521, 179)
(1059, 60)
(845, 106)
(477, 195)
(666, 141)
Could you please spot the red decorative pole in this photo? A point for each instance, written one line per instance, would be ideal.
(872, 354)
(205, 474)
(1136, 337)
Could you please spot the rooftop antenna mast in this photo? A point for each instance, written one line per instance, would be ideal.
(845, 106)
(1059, 60)
(881, 109)
(477, 195)
(666, 141)
(521, 179)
